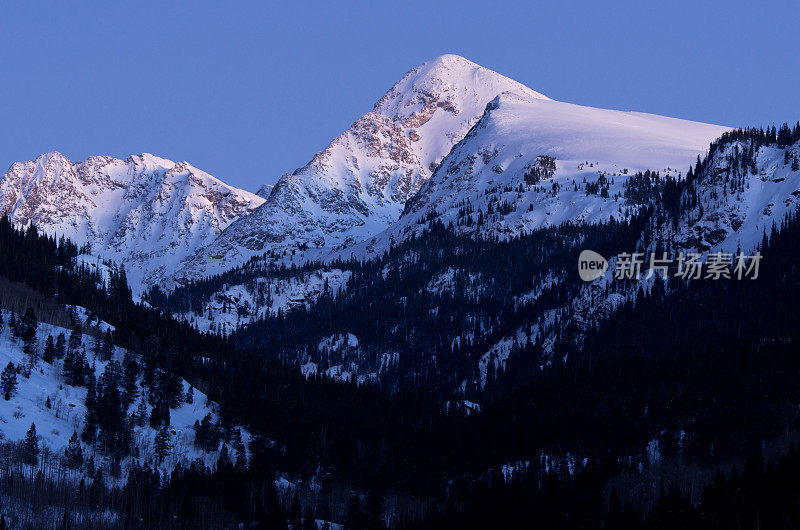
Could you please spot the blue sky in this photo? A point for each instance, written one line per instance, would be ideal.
(249, 90)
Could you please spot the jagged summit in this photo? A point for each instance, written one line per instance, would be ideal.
(50, 157)
(357, 186)
(453, 75)
(264, 190)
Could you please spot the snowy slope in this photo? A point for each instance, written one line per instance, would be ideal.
(242, 303)
(146, 212)
(727, 217)
(587, 144)
(358, 185)
(55, 425)
(730, 218)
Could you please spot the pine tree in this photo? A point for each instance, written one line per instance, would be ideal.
(29, 325)
(223, 460)
(92, 408)
(108, 345)
(15, 324)
(140, 416)
(162, 445)
(8, 380)
(189, 397)
(80, 367)
(159, 415)
(30, 447)
(49, 354)
(68, 368)
(130, 389)
(98, 346)
(61, 346)
(29, 322)
(74, 453)
(31, 355)
(75, 337)
(173, 389)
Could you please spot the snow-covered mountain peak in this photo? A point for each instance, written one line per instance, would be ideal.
(147, 212)
(52, 157)
(450, 82)
(357, 186)
(44, 166)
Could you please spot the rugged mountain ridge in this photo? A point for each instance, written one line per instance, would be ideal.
(531, 163)
(450, 140)
(146, 212)
(358, 185)
(440, 140)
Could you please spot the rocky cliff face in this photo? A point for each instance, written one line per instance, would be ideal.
(145, 212)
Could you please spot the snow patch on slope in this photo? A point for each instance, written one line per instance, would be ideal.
(55, 425)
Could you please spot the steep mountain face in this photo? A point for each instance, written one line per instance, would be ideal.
(745, 190)
(264, 191)
(527, 163)
(146, 212)
(474, 305)
(358, 185)
(531, 163)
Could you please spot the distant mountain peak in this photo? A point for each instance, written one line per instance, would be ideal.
(145, 212)
(50, 156)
